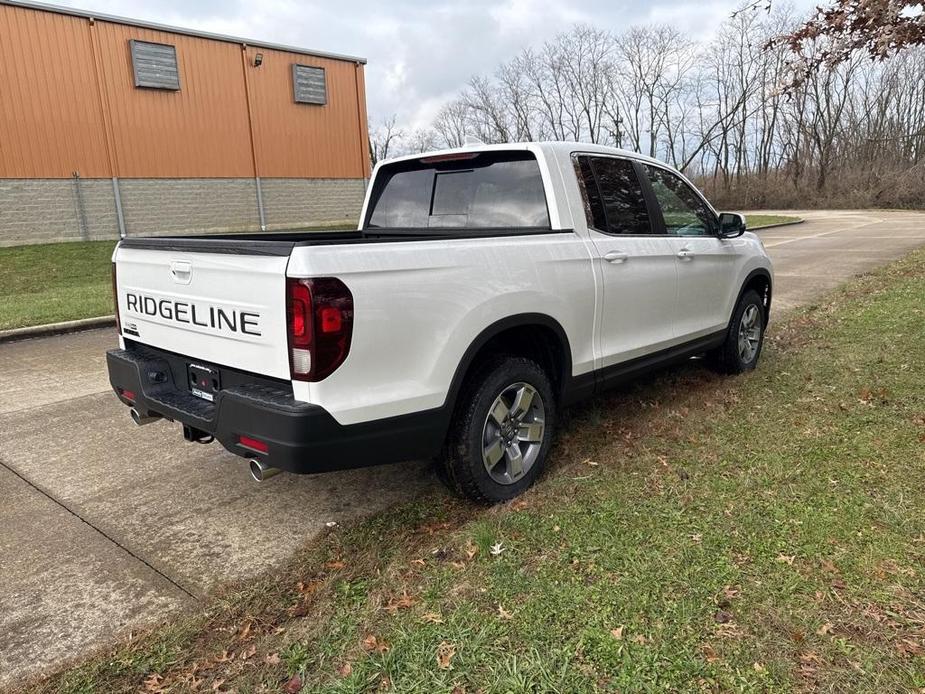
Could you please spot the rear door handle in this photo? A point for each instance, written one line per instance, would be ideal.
(616, 257)
(686, 254)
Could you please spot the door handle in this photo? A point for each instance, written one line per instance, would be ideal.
(686, 254)
(616, 257)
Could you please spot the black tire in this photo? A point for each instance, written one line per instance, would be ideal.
(462, 466)
(728, 358)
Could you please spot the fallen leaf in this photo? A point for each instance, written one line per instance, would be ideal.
(722, 617)
(335, 565)
(839, 584)
(371, 644)
(519, 505)
(617, 633)
(272, 659)
(152, 682)
(308, 588)
(639, 638)
(224, 657)
(445, 653)
(217, 684)
(248, 653)
(471, 549)
(589, 462)
(824, 629)
(345, 670)
(432, 618)
(786, 559)
(709, 653)
(245, 631)
(496, 549)
(758, 667)
(293, 686)
(504, 614)
(419, 562)
(402, 603)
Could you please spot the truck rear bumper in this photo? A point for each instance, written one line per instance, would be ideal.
(299, 437)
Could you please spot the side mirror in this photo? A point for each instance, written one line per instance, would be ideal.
(731, 225)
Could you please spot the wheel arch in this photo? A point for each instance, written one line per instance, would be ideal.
(550, 346)
(759, 280)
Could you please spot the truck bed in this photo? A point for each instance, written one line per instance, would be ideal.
(282, 243)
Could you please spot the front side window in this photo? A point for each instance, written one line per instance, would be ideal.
(613, 197)
(487, 190)
(685, 213)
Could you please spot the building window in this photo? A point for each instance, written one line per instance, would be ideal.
(155, 65)
(308, 85)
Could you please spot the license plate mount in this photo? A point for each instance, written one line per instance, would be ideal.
(204, 381)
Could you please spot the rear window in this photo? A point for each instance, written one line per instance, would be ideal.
(488, 190)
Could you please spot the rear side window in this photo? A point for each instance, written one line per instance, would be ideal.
(613, 196)
(488, 190)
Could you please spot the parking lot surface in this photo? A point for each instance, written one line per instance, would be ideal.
(108, 527)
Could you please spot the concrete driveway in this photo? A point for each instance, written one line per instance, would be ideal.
(107, 527)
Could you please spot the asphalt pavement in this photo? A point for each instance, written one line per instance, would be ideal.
(108, 527)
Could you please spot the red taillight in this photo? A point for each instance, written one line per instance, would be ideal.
(254, 444)
(115, 299)
(320, 319)
(127, 394)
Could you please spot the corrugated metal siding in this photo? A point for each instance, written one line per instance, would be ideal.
(54, 116)
(50, 119)
(304, 140)
(200, 131)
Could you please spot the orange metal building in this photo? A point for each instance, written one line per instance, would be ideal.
(262, 136)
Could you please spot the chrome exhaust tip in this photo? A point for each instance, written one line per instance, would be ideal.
(141, 420)
(261, 472)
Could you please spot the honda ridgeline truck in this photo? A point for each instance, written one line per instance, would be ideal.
(485, 289)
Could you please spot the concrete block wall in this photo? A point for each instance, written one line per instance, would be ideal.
(56, 209)
(51, 210)
(300, 202)
(153, 206)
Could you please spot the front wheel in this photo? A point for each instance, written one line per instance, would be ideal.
(501, 431)
(744, 338)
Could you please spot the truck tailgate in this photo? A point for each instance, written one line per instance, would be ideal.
(227, 309)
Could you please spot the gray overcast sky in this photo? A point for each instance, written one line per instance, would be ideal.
(420, 52)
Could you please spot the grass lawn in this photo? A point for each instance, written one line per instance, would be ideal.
(54, 282)
(756, 221)
(694, 532)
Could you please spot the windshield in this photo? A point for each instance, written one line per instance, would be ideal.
(487, 190)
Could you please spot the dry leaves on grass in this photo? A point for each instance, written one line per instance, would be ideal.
(709, 653)
(293, 685)
(372, 644)
(617, 633)
(402, 602)
(445, 653)
(432, 618)
(471, 549)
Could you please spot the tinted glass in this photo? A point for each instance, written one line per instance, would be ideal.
(614, 199)
(503, 190)
(684, 211)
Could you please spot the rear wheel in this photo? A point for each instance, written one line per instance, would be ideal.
(501, 431)
(744, 338)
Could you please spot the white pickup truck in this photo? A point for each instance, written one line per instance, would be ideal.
(485, 289)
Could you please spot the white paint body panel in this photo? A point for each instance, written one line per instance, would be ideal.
(420, 304)
(233, 282)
